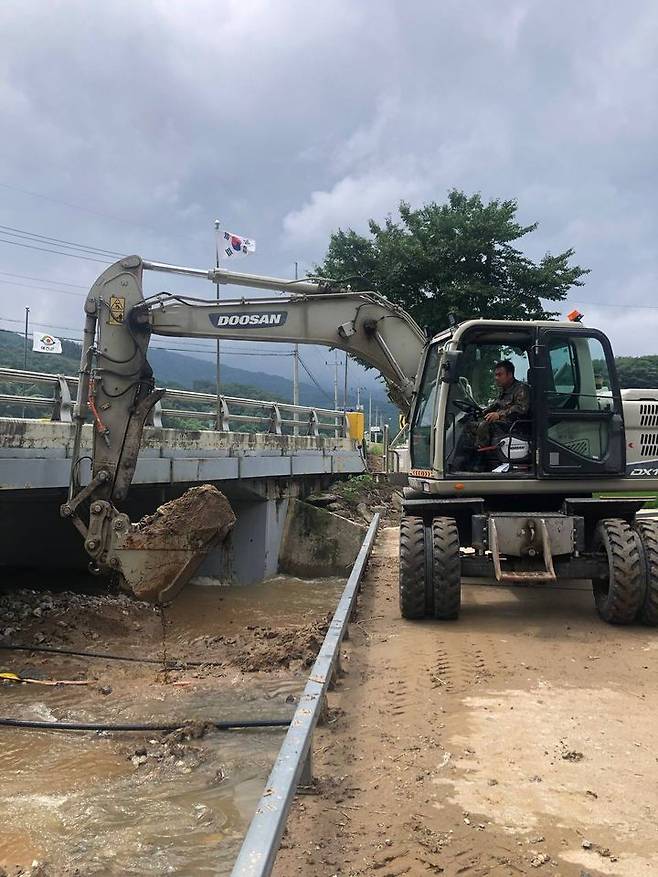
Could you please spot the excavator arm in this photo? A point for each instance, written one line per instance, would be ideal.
(117, 388)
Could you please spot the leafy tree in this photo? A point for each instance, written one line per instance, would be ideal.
(454, 258)
(638, 371)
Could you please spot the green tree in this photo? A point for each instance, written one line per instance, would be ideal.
(454, 258)
(640, 372)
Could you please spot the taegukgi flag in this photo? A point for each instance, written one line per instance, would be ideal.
(235, 245)
(44, 343)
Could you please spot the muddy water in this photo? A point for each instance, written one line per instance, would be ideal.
(77, 800)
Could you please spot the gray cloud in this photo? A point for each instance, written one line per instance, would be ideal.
(291, 119)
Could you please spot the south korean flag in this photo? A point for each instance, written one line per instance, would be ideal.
(232, 245)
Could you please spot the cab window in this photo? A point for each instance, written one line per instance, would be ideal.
(423, 422)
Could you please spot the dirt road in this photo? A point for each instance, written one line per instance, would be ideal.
(520, 740)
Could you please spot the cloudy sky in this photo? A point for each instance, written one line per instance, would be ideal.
(131, 126)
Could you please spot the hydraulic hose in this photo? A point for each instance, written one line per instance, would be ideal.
(237, 725)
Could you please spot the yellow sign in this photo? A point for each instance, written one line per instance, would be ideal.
(402, 420)
(117, 309)
(356, 421)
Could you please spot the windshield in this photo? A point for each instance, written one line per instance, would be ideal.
(423, 421)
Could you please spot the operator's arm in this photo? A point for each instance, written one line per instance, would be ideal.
(519, 407)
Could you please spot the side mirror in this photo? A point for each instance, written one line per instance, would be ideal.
(448, 367)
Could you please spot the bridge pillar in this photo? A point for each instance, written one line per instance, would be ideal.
(251, 551)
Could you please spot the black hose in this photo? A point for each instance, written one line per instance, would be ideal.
(171, 664)
(238, 724)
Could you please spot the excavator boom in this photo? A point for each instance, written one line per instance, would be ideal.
(117, 387)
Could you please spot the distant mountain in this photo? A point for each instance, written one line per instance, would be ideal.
(176, 370)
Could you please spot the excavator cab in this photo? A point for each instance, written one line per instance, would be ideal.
(572, 428)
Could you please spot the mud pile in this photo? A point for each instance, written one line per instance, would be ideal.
(201, 514)
(274, 648)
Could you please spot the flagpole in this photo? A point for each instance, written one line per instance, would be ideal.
(295, 374)
(218, 366)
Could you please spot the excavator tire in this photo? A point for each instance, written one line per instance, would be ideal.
(446, 569)
(412, 567)
(648, 533)
(619, 596)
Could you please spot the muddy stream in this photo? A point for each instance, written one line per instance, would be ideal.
(98, 803)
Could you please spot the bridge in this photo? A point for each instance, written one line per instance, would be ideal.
(263, 455)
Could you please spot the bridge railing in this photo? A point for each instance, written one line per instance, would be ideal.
(222, 412)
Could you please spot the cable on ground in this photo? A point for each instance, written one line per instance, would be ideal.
(171, 664)
(237, 725)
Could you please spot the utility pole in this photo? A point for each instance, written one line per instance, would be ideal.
(218, 367)
(345, 386)
(295, 373)
(27, 327)
(369, 412)
(335, 380)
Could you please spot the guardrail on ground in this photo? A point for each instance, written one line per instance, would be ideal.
(261, 843)
(222, 414)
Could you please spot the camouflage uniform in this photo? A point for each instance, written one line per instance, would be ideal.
(513, 403)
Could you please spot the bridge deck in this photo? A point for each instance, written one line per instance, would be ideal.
(36, 454)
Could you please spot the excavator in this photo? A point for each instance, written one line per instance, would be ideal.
(554, 497)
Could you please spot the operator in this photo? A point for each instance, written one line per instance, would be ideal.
(512, 403)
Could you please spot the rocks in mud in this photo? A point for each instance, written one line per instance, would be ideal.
(189, 731)
(539, 860)
(276, 649)
(48, 617)
(174, 749)
(363, 512)
(572, 755)
(36, 869)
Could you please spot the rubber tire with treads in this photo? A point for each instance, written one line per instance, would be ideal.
(619, 598)
(648, 533)
(412, 567)
(446, 569)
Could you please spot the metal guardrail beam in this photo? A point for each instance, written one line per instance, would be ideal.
(261, 843)
(314, 419)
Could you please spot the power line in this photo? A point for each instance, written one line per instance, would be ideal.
(41, 238)
(43, 289)
(43, 280)
(56, 252)
(312, 377)
(83, 209)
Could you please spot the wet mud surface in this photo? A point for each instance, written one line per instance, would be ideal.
(99, 803)
(519, 740)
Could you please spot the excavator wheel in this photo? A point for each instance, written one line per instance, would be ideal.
(412, 567)
(648, 533)
(446, 569)
(619, 595)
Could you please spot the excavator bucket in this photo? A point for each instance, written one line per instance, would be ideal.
(158, 555)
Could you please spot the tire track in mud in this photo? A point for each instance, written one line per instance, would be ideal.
(391, 768)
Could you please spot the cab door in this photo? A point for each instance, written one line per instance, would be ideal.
(580, 425)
